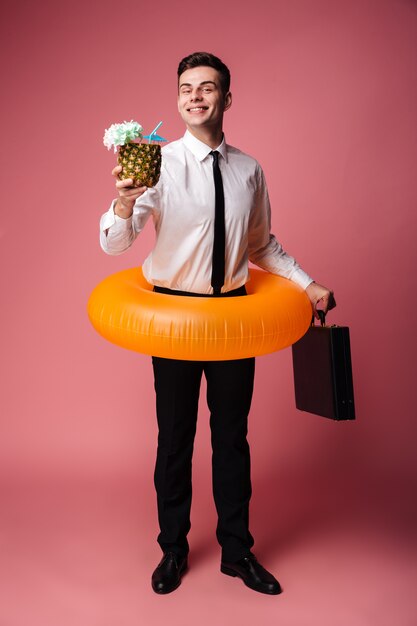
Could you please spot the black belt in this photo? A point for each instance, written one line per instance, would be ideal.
(240, 291)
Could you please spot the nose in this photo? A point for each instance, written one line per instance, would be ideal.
(195, 95)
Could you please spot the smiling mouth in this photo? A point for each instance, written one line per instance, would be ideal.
(197, 109)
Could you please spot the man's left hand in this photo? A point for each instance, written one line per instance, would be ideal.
(320, 297)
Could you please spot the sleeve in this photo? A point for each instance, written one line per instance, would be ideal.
(118, 234)
(264, 249)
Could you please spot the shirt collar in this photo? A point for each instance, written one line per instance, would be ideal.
(202, 150)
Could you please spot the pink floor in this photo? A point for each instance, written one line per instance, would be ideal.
(80, 552)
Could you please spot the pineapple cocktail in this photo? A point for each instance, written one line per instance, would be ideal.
(140, 161)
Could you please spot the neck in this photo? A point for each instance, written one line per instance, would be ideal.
(211, 137)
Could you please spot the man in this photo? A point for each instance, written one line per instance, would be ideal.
(209, 192)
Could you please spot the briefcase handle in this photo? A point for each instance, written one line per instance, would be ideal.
(322, 317)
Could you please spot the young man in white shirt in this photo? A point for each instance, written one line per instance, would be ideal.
(182, 207)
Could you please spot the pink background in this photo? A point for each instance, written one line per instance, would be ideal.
(325, 98)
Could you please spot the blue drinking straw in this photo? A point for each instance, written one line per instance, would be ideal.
(153, 136)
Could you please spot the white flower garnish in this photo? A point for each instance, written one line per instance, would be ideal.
(120, 134)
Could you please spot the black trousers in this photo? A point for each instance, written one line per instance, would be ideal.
(229, 395)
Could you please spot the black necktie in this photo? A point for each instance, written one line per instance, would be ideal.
(217, 276)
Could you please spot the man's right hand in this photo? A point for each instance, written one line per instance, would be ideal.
(127, 194)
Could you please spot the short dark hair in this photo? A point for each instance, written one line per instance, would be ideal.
(198, 59)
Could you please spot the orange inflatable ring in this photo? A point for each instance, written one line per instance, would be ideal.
(275, 314)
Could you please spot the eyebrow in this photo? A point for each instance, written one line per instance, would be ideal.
(205, 82)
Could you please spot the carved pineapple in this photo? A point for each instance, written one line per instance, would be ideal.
(141, 162)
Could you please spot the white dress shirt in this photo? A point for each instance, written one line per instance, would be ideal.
(182, 208)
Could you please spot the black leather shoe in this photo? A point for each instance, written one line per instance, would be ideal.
(253, 575)
(167, 575)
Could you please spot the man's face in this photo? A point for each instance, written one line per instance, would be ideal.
(201, 102)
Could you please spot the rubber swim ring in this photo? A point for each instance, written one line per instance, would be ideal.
(275, 314)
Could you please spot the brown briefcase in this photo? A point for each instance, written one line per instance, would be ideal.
(323, 372)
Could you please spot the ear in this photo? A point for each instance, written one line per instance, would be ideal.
(227, 101)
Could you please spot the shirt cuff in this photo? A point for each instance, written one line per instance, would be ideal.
(110, 219)
(302, 278)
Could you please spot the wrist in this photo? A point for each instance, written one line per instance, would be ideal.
(123, 209)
